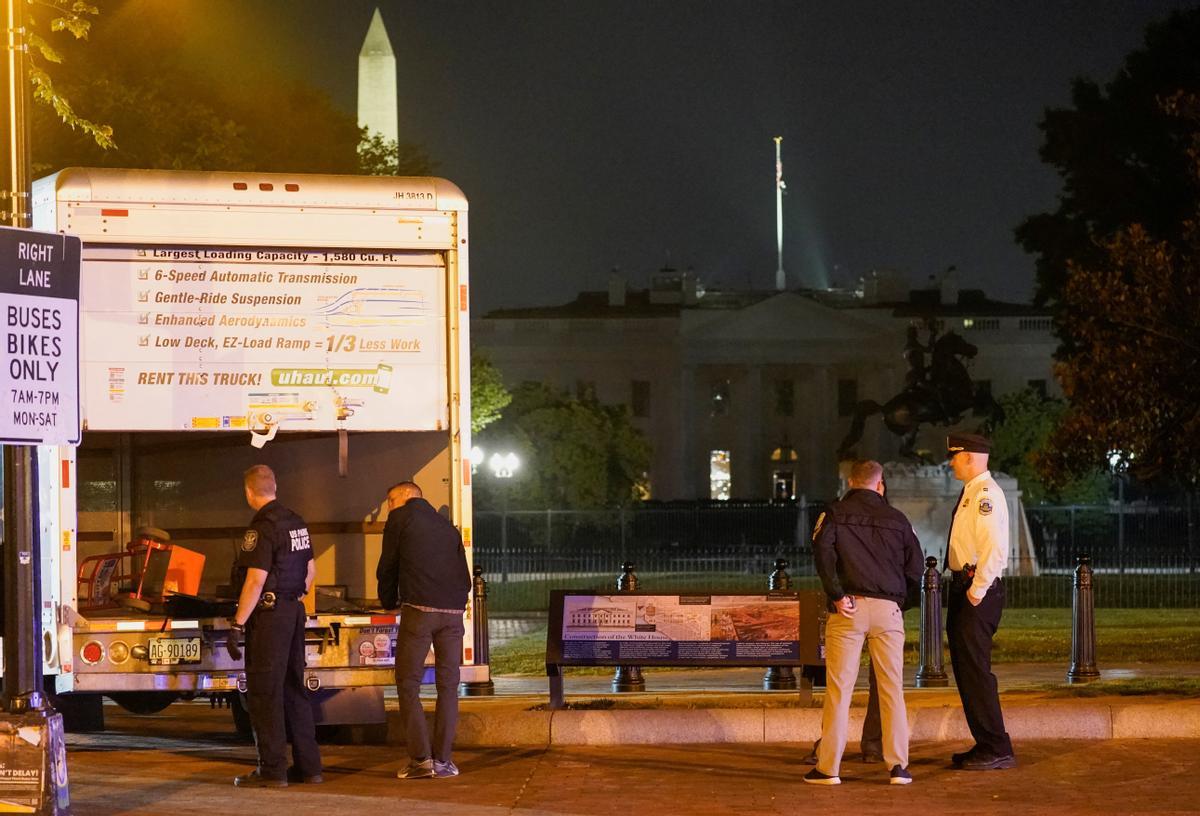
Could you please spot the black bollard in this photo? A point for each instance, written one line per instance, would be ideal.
(479, 620)
(779, 678)
(628, 678)
(1083, 625)
(931, 673)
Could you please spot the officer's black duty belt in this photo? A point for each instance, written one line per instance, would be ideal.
(962, 578)
(270, 599)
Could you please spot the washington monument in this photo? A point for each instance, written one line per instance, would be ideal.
(377, 83)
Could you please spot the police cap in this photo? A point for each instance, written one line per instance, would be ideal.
(972, 443)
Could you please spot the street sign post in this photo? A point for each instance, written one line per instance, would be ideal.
(33, 760)
(39, 405)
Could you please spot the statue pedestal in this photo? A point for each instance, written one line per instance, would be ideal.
(926, 494)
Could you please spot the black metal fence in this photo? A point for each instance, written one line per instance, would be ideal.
(1143, 556)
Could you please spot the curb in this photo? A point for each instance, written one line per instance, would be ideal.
(1079, 720)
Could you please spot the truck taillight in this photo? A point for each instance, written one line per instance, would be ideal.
(92, 652)
(118, 652)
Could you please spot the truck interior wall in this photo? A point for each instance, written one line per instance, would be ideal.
(193, 482)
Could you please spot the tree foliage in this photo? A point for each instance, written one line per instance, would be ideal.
(1122, 158)
(489, 397)
(72, 16)
(378, 156)
(1021, 432)
(1133, 374)
(575, 453)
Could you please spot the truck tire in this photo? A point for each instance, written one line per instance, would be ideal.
(143, 702)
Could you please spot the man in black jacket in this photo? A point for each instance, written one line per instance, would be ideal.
(869, 560)
(423, 570)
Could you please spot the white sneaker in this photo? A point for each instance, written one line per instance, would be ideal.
(415, 769)
(445, 769)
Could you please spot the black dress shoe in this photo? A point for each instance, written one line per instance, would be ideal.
(989, 762)
(958, 759)
(294, 775)
(255, 780)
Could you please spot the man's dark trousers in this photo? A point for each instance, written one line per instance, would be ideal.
(276, 698)
(419, 629)
(970, 630)
(872, 732)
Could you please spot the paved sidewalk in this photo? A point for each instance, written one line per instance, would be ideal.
(160, 769)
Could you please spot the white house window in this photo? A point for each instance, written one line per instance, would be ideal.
(719, 482)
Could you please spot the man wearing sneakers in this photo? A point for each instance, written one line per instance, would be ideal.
(423, 570)
(976, 555)
(867, 556)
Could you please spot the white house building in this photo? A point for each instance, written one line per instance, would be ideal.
(748, 394)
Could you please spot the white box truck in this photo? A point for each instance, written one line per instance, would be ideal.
(317, 324)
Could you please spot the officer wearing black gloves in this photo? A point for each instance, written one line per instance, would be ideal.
(275, 570)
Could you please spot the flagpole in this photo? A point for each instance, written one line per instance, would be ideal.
(780, 278)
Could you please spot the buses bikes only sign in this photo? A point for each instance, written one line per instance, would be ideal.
(39, 318)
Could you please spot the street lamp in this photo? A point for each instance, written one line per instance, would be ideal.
(1118, 463)
(503, 465)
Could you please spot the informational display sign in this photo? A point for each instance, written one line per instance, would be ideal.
(775, 628)
(39, 301)
(262, 338)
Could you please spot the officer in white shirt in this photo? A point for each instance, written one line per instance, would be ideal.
(977, 553)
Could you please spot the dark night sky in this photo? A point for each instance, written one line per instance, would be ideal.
(591, 134)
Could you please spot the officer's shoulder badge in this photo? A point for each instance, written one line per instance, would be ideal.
(985, 506)
(817, 528)
(250, 541)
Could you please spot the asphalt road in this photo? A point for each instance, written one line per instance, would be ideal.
(183, 762)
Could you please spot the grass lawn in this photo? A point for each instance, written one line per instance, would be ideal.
(1025, 636)
(1133, 687)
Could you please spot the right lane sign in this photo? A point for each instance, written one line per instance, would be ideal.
(39, 313)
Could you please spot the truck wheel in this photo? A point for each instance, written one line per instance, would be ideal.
(143, 702)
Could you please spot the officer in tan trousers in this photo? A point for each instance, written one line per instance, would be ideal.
(868, 558)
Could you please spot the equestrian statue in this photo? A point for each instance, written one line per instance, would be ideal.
(935, 394)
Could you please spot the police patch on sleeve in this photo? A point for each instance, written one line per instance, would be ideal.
(985, 506)
(817, 528)
(250, 541)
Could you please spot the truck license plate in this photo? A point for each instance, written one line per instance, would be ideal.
(174, 651)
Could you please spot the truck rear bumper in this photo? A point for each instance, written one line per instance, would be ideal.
(218, 681)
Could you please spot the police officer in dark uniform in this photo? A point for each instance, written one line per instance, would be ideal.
(275, 570)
